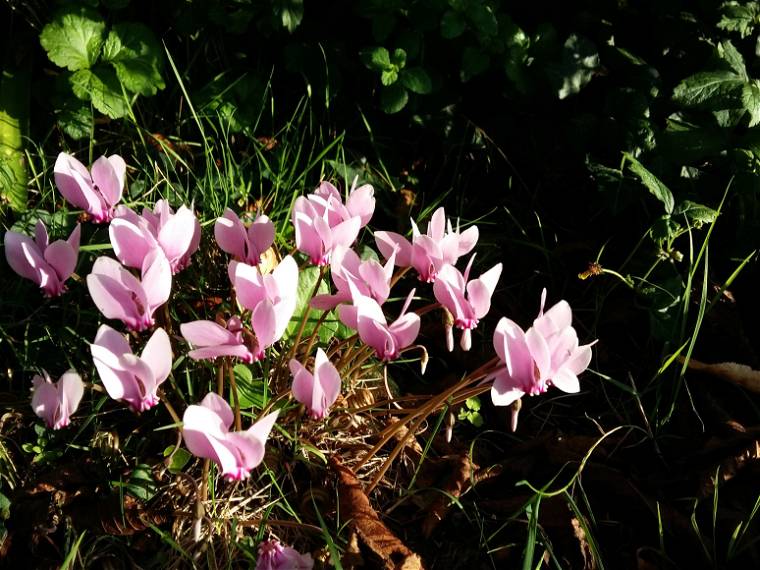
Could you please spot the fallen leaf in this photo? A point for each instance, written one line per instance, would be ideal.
(458, 471)
(355, 504)
(739, 374)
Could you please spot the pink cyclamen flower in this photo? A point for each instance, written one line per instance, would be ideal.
(47, 264)
(546, 354)
(316, 391)
(55, 402)
(206, 431)
(246, 245)
(214, 340)
(322, 222)
(271, 298)
(177, 234)
(274, 556)
(467, 301)
(366, 317)
(368, 277)
(129, 378)
(120, 295)
(96, 191)
(428, 253)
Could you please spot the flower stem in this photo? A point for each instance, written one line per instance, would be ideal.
(235, 397)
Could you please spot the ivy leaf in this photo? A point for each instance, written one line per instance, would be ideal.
(393, 98)
(751, 101)
(416, 80)
(101, 86)
(579, 62)
(710, 89)
(653, 184)
(73, 38)
(135, 54)
(376, 58)
(739, 18)
(307, 280)
(452, 25)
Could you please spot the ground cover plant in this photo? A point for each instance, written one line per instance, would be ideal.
(465, 285)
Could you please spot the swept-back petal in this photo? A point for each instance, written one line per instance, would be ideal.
(75, 185)
(206, 333)
(156, 279)
(361, 202)
(214, 402)
(157, 354)
(388, 242)
(230, 234)
(14, 254)
(62, 258)
(107, 180)
(71, 389)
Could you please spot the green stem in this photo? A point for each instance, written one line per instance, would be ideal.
(235, 397)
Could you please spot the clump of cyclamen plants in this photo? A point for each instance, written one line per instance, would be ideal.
(151, 248)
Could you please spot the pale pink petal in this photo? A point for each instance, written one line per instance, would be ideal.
(361, 202)
(348, 316)
(505, 390)
(248, 284)
(578, 360)
(437, 225)
(75, 185)
(374, 277)
(176, 234)
(61, 257)
(260, 238)
(566, 381)
(157, 354)
(156, 279)
(120, 169)
(131, 243)
(388, 242)
(230, 234)
(211, 352)
(467, 240)
(326, 375)
(264, 323)
(41, 235)
(303, 385)
(261, 429)
(539, 350)
(207, 333)
(559, 317)
(405, 329)
(345, 233)
(71, 389)
(114, 300)
(14, 254)
(45, 400)
(73, 240)
(220, 407)
(107, 180)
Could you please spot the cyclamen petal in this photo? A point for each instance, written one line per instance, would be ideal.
(56, 402)
(428, 253)
(97, 191)
(214, 340)
(246, 245)
(275, 556)
(544, 355)
(120, 295)
(126, 377)
(49, 265)
(206, 434)
(317, 391)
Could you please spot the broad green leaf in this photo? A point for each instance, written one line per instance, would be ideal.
(653, 184)
(416, 80)
(141, 483)
(393, 98)
(307, 280)
(389, 76)
(376, 58)
(101, 86)
(399, 58)
(728, 53)
(250, 390)
(697, 214)
(73, 38)
(483, 20)
(291, 13)
(74, 118)
(474, 62)
(135, 54)
(579, 62)
(452, 24)
(739, 18)
(179, 459)
(751, 101)
(13, 179)
(710, 89)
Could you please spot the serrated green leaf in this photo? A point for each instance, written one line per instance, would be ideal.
(728, 53)
(101, 86)
(389, 76)
(474, 62)
(416, 80)
(751, 101)
(376, 58)
(135, 54)
(452, 24)
(653, 184)
(739, 18)
(73, 38)
(710, 89)
(393, 98)
(697, 214)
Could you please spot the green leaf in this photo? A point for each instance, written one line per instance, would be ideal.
(483, 20)
(473, 403)
(74, 118)
(751, 101)
(739, 18)
(474, 62)
(291, 13)
(653, 184)
(101, 86)
(728, 53)
(307, 280)
(141, 483)
(179, 459)
(73, 38)
(697, 214)
(389, 76)
(393, 98)
(710, 89)
(452, 25)
(250, 391)
(5, 507)
(579, 62)
(13, 179)
(376, 58)
(399, 58)
(416, 80)
(135, 54)
(476, 419)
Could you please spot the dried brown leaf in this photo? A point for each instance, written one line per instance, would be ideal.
(367, 524)
(739, 374)
(458, 474)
